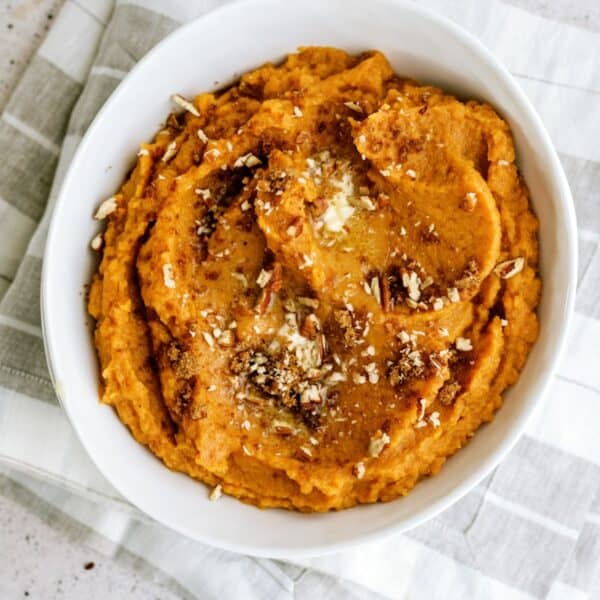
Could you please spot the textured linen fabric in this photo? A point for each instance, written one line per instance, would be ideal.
(530, 530)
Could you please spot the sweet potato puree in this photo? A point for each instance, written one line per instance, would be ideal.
(316, 284)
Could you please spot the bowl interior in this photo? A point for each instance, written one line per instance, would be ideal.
(207, 54)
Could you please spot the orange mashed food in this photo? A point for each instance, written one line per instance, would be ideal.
(316, 284)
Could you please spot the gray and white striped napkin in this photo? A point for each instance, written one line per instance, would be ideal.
(530, 530)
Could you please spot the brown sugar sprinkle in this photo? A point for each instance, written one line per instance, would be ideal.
(448, 393)
(274, 377)
(407, 366)
(412, 363)
(183, 362)
(198, 412)
(353, 330)
(183, 399)
(469, 277)
(294, 376)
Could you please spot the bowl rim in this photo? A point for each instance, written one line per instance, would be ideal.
(558, 182)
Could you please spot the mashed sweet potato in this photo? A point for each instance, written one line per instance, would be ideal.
(316, 285)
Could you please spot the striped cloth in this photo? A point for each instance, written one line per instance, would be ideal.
(530, 530)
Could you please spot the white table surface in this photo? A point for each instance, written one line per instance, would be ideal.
(38, 559)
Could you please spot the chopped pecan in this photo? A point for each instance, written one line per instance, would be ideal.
(304, 454)
(469, 277)
(272, 286)
(386, 295)
(310, 327)
(509, 268)
(294, 229)
(282, 427)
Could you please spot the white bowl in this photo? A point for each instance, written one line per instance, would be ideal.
(204, 55)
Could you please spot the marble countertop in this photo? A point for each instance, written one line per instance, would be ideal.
(37, 558)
